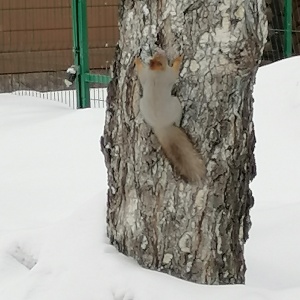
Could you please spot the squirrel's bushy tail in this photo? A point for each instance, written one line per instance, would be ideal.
(181, 153)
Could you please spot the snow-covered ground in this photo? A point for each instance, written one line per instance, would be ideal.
(52, 205)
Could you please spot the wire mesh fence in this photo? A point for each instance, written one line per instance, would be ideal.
(280, 20)
(36, 44)
(36, 47)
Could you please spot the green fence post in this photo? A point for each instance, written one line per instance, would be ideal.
(81, 57)
(84, 57)
(80, 49)
(76, 50)
(288, 28)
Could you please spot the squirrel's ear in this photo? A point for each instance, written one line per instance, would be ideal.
(136, 60)
(138, 63)
(177, 63)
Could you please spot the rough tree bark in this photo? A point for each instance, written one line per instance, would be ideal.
(194, 233)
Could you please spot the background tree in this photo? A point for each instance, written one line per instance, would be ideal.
(194, 233)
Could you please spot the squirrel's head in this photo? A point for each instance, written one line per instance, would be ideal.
(158, 62)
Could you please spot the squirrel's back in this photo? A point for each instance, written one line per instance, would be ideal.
(158, 106)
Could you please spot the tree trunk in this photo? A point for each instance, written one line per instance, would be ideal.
(194, 233)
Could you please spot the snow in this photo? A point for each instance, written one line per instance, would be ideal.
(68, 97)
(53, 241)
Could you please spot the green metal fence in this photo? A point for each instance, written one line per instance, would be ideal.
(284, 29)
(36, 47)
(40, 40)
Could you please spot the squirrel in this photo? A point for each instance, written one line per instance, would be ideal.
(163, 113)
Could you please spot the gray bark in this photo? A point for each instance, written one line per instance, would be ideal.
(166, 224)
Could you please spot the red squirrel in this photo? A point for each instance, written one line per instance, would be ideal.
(161, 111)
